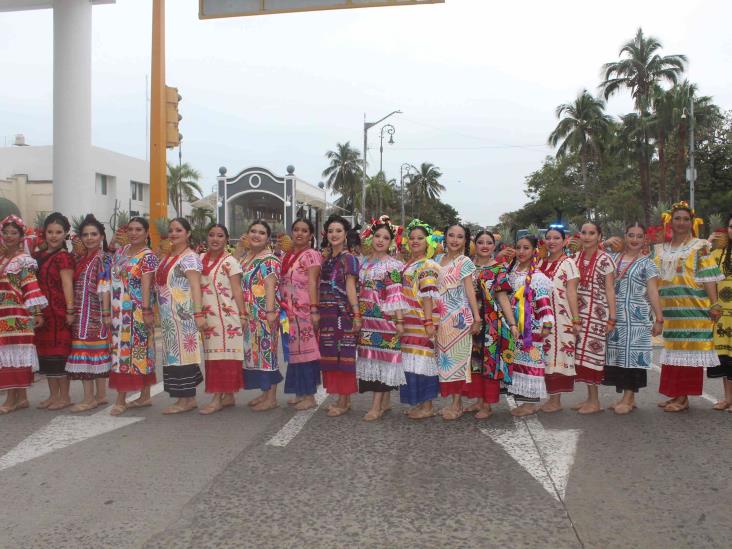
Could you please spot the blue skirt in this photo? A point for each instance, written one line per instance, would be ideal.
(418, 389)
(261, 379)
(302, 379)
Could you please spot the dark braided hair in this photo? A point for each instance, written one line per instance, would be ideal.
(725, 260)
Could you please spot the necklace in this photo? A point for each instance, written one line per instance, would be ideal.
(587, 272)
(549, 268)
(290, 259)
(161, 275)
(209, 261)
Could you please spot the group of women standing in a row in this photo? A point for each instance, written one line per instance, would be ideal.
(448, 325)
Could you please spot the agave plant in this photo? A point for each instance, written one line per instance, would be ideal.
(533, 230)
(657, 210)
(615, 228)
(40, 219)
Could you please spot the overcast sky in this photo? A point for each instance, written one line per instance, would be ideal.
(477, 80)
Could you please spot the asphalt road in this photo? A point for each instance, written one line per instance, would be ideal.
(649, 479)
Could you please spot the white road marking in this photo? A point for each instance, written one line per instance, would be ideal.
(547, 456)
(290, 430)
(705, 396)
(65, 430)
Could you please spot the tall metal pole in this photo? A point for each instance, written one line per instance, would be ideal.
(363, 175)
(158, 182)
(692, 170)
(401, 176)
(381, 151)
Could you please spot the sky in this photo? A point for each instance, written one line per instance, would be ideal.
(478, 82)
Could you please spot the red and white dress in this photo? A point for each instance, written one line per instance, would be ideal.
(19, 293)
(223, 339)
(589, 359)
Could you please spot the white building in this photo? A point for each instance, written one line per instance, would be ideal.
(27, 180)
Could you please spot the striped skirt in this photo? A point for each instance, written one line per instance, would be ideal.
(181, 381)
(89, 359)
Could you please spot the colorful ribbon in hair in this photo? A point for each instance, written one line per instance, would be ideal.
(29, 237)
(696, 222)
(433, 237)
(524, 309)
(367, 234)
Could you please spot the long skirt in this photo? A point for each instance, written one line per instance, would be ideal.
(588, 375)
(625, 379)
(482, 387)
(223, 376)
(128, 383)
(418, 389)
(16, 378)
(52, 366)
(337, 382)
(723, 370)
(559, 383)
(181, 381)
(303, 378)
(678, 381)
(263, 380)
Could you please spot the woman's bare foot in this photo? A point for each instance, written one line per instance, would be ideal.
(590, 408)
(484, 413)
(42, 405)
(525, 409)
(623, 408)
(211, 408)
(614, 404)
(265, 405)
(550, 406)
(139, 403)
(719, 406)
(101, 401)
(257, 400)
(306, 403)
(475, 406)
(60, 405)
(373, 415)
(118, 410)
(664, 403)
(294, 400)
(579, 405)
(336, 411)
(680, 404)
(451, 413)
(228, 400)
(84, 406)
(180, 407)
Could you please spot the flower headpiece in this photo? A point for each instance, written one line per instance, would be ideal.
(696, 222)
(367, 235)
(29, 237)
(433, 237)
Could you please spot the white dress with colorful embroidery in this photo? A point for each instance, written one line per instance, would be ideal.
(222, 338)
(379, 351)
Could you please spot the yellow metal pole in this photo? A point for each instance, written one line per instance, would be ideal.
(158, 166)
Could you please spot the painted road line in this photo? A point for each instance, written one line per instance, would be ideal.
(298, 421)
(548, 456)
(705, 396)
(65, 430)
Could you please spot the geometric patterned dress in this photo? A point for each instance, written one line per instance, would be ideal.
(629, 343)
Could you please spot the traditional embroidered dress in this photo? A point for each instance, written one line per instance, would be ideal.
(223, 338)
(379, 363)
(419, 281)
(133, 347)
(589, 358)
(337, 339)
(90, 352)
(19, 291)
(723, 329)
(53, 339)
(529, 363)
(688, 344)
(260, 342)
(303, 353)
(181, 339)
(561, 343)
(489, 366)
(454, 342)
(629, 348)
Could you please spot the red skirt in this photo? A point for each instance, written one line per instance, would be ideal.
(16, 378)
(559, 383)
(128, 383)
(589, 376)
(340, 383)
(481, 387)
(678, 381)
(224, 376)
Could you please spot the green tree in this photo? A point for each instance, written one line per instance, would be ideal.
(582, 129)
(424, 185)
(182, 186)
(382, 197)
(343, 174)
(639, 70)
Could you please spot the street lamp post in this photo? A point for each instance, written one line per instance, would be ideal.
(390, 131)
(366, 127)
(406, 166)
(691, 170)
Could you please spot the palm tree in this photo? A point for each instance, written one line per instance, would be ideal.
(425, 184)
(182, 183)
(582, 129)
(344, 174)
(640, 69)
(381, 197)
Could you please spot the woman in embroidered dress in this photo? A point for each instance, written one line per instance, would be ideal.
(223, 309)
(133, 347)
(560, 345)
(340, 318)
(532, 308)
(53, 339)
(299, 289)
(688, 289)
(21, 301)
(596, 307)
(629, 348)
(260, 276)
(723, 329)
(459, 320)
(178, 291)
(494, 344)
(90, 359)
(379, 363)
(419, 287)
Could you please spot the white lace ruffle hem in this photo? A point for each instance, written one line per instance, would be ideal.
(376, 370)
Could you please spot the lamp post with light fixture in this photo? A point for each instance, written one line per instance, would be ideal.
(366, 127)
(390, 132)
